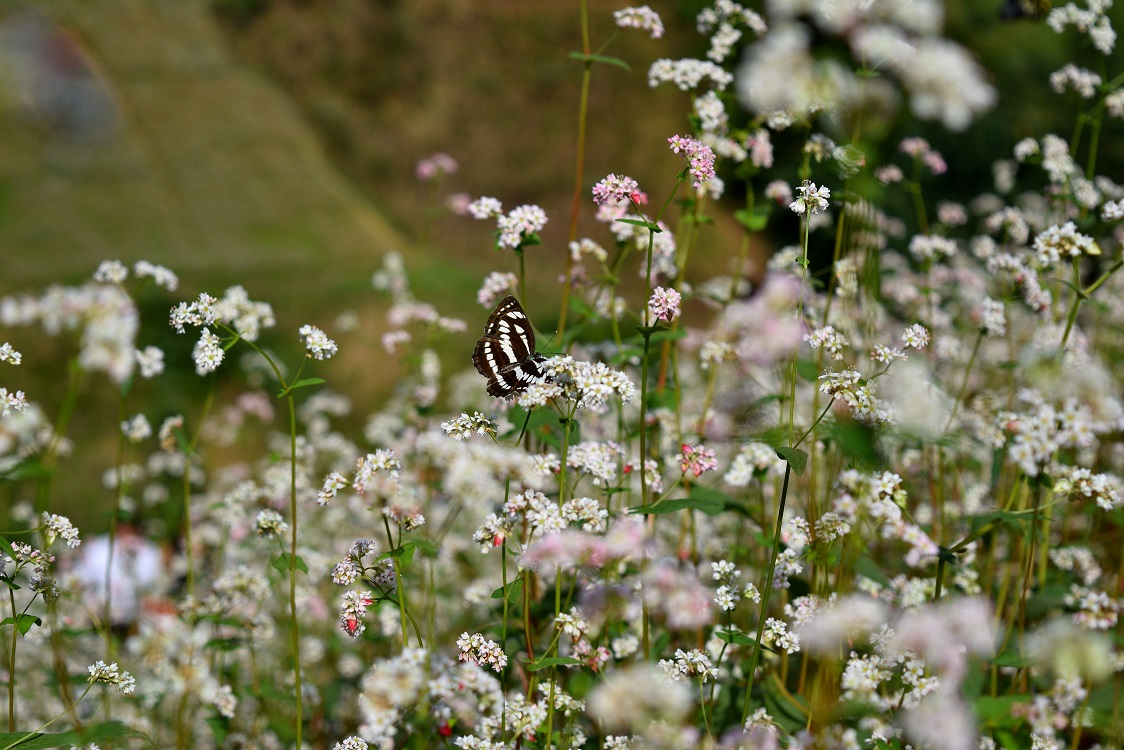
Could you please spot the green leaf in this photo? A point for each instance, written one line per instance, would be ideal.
(705, 499)
(864, 566)
(854, 440)
(224, 644)
(219, 727)
(807, 371)
(754, 221)
(281, 564)
(104, 732)
(997, 711)
(552, 661)
(1011, 658)
(733, 636)
(600, 59)
(6, 547)
(424, 546)
(24, 622)
(9, 584)
(306, 382)
(646, 224)
(796, 458)
(649, 330)
(514, 591)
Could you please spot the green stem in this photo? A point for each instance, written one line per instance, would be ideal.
(12, 664)
(1078, 295)
(964, 383)
(766, 589)
(401, 589)
(188, 456)
(118, 492)
(579, 168)
(299, 719)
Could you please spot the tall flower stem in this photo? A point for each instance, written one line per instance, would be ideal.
(12, 664)
(296, 638)
(189, 454)
(579, 167)
(118, 493)
(766, 589)
(402, 612)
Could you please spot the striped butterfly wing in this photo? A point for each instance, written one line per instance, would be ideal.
(505, 354)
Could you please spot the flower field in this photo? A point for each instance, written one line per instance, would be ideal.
(863, 494)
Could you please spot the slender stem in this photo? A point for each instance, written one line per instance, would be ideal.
(401, 588)
(964, 383)
(766, 589)
(188, 456)
(118, 493)
(299, 719)
(12, 664)
(579, 168)
(1078, 295)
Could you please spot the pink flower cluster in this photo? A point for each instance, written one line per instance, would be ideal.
(699, 156)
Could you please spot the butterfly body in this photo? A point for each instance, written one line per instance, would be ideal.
(505, 354)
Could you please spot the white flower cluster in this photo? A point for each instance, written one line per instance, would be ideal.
(589, 385)
(109, 675)
(317, 343)
(688, 74)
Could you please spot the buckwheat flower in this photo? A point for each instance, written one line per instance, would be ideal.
(1069, 651)
(111, 272)
(992, 318)
(393, 339)
(641, 17)
(109, 675)
(589, 384)
(345, 571)
(464, 426)
(201, 312)
(1081, 80)
(1057, 162)
(1057, 242)
(167, 432)
(407, 519)
(485, 208)
(333, 483)
(538, 394)
(688, 74)
(150, 360)
(1114, 103)
(615, 189)
(753, 460)
(492, 533)
(351, 743)
(811, 200)
(700, 157)
(496, 286)
(11, 400)
(520, 224)
(208, 352)
(60, 527)
(581, 248)
(828, 339)
(270, 524)
(136, 429)
(1096, 610)
(664, 304)
(10, 355)
(1092, 20)
(163, 277)
(436, 165)
(475, 649)
(696, 459)
(915, 337)
(353, 608)
(886, 355)
(317, 343)
(777, 633)
(377, 471)
(928, 247)
(693, 664)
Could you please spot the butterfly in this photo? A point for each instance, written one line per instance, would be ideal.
(505, 354)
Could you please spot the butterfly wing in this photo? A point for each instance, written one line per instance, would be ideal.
(505, 354)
